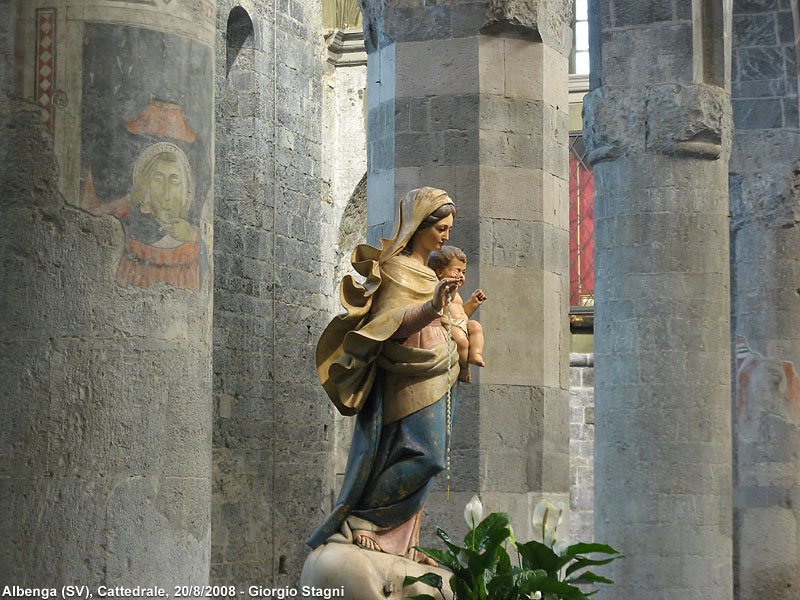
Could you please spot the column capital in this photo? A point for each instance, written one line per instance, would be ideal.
(388, 21)
(547, 20)
(668, 119)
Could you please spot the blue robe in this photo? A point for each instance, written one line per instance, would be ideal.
(390, 468)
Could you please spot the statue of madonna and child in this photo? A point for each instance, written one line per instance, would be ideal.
(390, 361)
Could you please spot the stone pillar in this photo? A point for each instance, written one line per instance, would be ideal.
(765, 244)
(106, 221)
(472, 97)
(271, 292)
(657, 129)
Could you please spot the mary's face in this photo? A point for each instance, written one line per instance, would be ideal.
(433, 238)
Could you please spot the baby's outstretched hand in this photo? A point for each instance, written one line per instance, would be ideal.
(444, 292)
(478, 296)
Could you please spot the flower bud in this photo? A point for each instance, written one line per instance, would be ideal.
(473, 512)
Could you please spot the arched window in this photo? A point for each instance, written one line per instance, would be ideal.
(239, 35)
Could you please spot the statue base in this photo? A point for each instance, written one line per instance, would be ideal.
(362, 574)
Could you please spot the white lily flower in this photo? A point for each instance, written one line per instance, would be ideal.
(537, 596)
(550, 539)
(473, 512)
(560, 508)
(542, 512)
(560, 547)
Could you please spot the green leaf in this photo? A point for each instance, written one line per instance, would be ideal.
(587, 562)
(461, 588)
(589, 577)
(486, 560)
(561, 589)
(440, 556)
(529, 581)
(582, 548)
(536, 555)
(503, 561)
(476, 539)
(431, 579)
(503, 586)
(521, 584)
(470, 556)
(455, 549)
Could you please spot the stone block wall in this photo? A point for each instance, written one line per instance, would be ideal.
(764, 67)
(272, 292)
(765, 244)
(581, 448)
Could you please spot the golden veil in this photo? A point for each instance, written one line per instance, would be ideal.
(349, 348)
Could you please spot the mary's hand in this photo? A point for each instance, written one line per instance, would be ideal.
(444, 291)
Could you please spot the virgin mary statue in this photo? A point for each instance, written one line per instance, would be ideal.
(389, 360)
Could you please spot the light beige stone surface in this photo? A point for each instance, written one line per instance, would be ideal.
(435, 67)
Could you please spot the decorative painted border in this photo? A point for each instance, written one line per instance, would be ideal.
(45, 62)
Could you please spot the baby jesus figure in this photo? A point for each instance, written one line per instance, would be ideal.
(467, 334)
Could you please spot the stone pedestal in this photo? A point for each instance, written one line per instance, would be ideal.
(366, 575)
(472, 98)
(106, 220)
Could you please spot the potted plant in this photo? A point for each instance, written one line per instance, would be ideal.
(483, 569)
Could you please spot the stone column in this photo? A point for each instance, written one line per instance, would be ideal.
(106, 221)
(657, 129)
(472, 97)
(765, 245)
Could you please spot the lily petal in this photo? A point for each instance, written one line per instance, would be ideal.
(473, 512)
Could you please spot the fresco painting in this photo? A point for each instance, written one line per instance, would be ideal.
(145, 150)
(765, 387)
(161, 245)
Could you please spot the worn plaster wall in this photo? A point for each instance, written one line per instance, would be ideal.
(105, 293)
(765, 246)
(272, 295)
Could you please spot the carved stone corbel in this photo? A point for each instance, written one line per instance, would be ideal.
(547, 20)
(669, 119)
